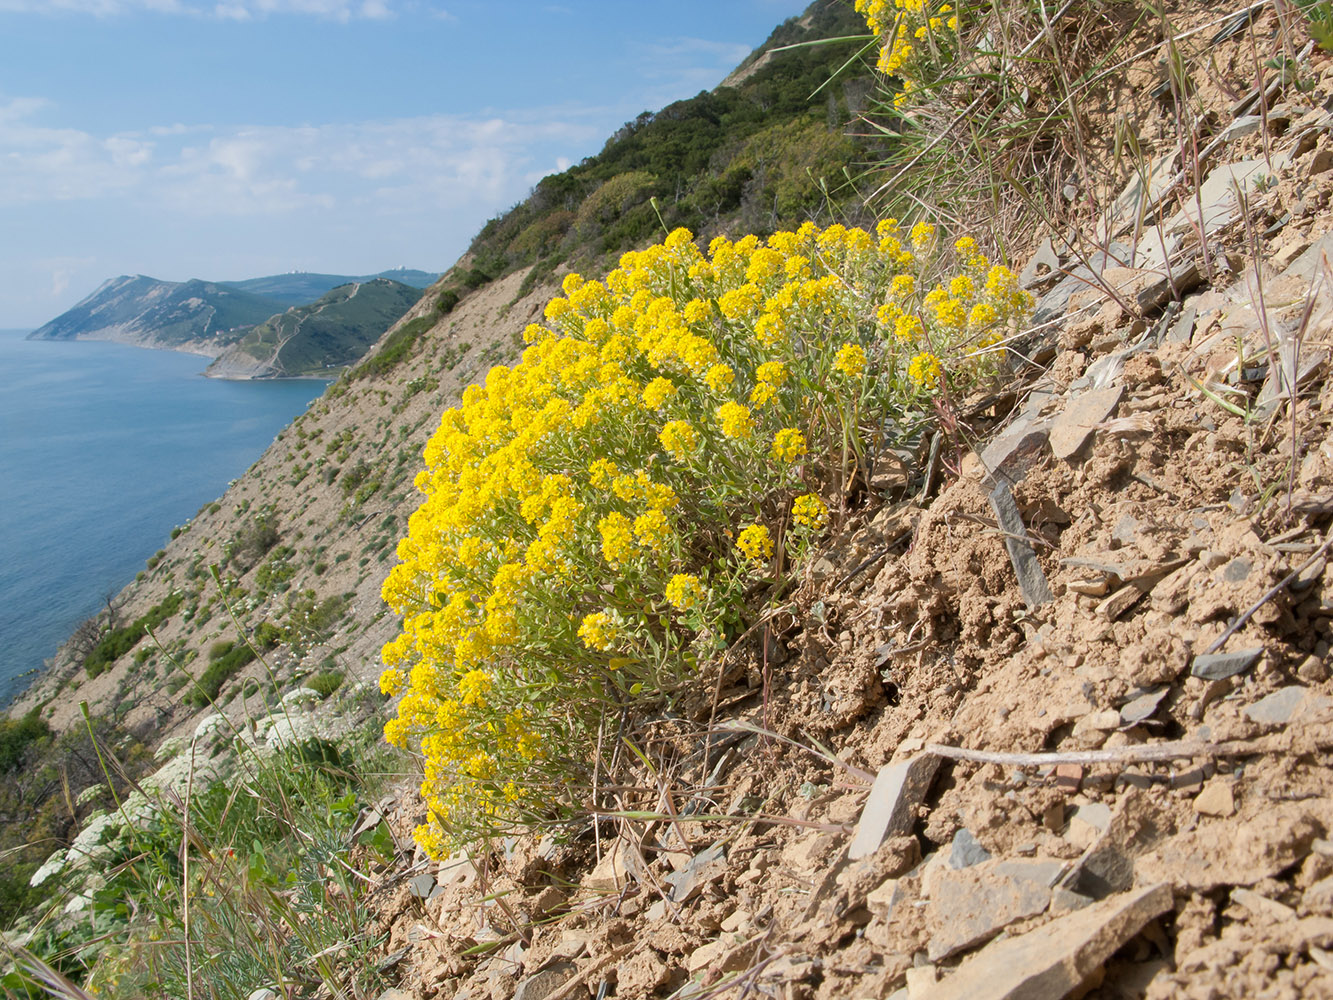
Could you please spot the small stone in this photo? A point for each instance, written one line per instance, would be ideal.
(1216, 799)
(1313, 670)
(1216, 666)
(1031, 579)
(1008, 456)
(701, 958)
(1053, 817)
(705, 867)
(1321, 161)
(1066, 900)
(541, 985)
(1263, 906)
(1091, 588)
(1285, 705)
(1044, 265)
(548, 900)
(966, 851)
(890, 809)
(920, 979)
(263, 993)
(735, 920)
(1096, 815)
(1120, 602)
(1095, 722)
(421, 886)
(1071, 429)
(1068, 776)
(1141, 707)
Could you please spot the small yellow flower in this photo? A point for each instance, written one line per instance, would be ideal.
(923, 233)
(474, 686)
(809, 511)
(735, 420)
(679, 439)
(925, 370)
(850, 360)
(719, 377)
(684, 592)
(788, 445)
(657, 392)
(755, 543)
(599, 631)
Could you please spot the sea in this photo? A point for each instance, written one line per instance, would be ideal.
(104, 449)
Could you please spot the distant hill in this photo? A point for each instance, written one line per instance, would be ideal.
(319, 338)
(300, 287)
(207, 317)
(195, 316)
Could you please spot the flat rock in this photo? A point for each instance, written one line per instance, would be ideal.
(1008, 456)
(966, 850)
(1216, 666)
(1072, 427)
(1044, 265)
(1107, 865)
(1288, 704)
(421, 886)
(1055, 959)
(1031, 580)
(1216, 799)
(705, 867)
(1141, 707)
(890, 810)
(970, 906)
(1200, 860)
(541, 985)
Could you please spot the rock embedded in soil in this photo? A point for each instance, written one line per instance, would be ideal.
(966, 850)
(1031, 579)
(1200, 860)
(890, 810)
(973, 905)
(541, 985)
(1216, 799)
(1072, 428)
(1288, 704)
(1055, 959)
(1218, 666)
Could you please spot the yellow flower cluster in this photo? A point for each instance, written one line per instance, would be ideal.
(918, 35)
(577, 504)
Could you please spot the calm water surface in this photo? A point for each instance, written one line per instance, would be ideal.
(103, 449)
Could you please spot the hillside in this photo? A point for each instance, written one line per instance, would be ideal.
(316, 339)
(298, 288)
(195, 316)
(763, 151)
(206, 317)
(848, 636)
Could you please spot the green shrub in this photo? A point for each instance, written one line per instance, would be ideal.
(325, 683)
(120, 641)
(221, 669)
(17, 735)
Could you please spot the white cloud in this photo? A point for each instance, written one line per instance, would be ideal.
(440, 161)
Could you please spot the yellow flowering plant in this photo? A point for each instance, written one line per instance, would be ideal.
(919, 37)
(595, 517)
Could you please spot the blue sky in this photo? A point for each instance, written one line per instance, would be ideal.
(228, 139)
